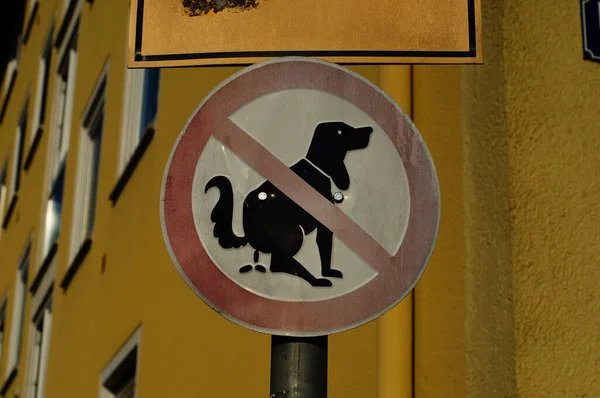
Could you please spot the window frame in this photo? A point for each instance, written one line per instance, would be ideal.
(18, 150)
(85, 195)
(3, 191)
(65, 6)
(3, 305)
(32, 8)
(59, 140)
(10, 77)
(70, 11)
(134, 139)
(111, 371)
(17, 324)
(40, 107)
(132, 130)
(16, 160)
(38, 354)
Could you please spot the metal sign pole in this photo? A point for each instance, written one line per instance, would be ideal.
(298, 367)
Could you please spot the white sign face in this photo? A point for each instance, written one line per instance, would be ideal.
(299, 199)
(379, 202)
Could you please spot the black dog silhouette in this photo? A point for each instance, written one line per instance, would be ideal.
(275, 224)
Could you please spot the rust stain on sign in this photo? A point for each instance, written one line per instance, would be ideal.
(202, 7)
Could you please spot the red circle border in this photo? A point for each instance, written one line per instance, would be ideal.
(271, 316)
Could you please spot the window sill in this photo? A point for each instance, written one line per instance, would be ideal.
(43, 268)
(131, 165)
(10, 84)
(30, 20)
(76, 264)
(9, 380)
(10, 211)
(33, 148)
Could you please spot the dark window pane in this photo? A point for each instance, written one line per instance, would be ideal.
(3, 175)
(62, 94)
(54, 212)
(149, 98)
(128, 390)
(47, 58)
(121, 382)
(20, 143)
(96, 133)
(24, 267)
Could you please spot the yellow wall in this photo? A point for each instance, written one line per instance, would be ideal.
(508, 306)
(553, 152)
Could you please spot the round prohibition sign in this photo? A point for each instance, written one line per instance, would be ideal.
(185, 212)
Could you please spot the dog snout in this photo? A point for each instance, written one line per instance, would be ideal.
(365, 130)
(360, 137)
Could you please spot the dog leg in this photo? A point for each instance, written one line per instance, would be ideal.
(258, 267)
(248, 267)
(289, 265)
(325, 244)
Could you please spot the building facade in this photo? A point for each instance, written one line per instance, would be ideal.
(91, 305)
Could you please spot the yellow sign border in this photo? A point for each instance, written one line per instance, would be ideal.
(136, 58)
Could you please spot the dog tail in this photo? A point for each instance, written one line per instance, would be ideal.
(222, 214)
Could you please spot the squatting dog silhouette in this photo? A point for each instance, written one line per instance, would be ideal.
(275, 224)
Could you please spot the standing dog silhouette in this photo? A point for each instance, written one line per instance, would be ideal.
(275, 224)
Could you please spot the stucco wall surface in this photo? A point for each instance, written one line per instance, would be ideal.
(509, 305)
(464, 328)
(552, 117)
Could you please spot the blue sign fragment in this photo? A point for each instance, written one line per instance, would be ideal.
(590, 21)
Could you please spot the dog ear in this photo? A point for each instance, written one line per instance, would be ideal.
(339, 175)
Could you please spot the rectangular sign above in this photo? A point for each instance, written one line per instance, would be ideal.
(229, 32)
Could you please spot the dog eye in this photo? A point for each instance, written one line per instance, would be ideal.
(339, 132)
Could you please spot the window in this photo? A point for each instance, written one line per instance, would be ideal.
(2, 324)
(140, 105)
(118, 380)
(31, 11)
(3, 190)
(88, 167)
(58, 147)
(15, 171)
(11, 25)
(10, 75)
(140, 108)
(39, 348)
(66, 4)
(18, 314)
(17, 157)
(41, 96)
(138, 118)
(54, 209)
(67, 69)
(32, 3)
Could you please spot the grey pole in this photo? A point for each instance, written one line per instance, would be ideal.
(298, 367)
